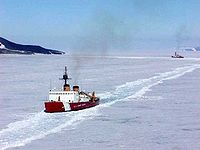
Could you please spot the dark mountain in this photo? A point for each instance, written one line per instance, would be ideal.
(197, 48)
(7, 47)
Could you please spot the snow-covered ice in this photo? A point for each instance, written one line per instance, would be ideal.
(146, 103)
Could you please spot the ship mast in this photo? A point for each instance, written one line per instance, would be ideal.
(65, 76)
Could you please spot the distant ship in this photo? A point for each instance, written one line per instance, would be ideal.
(177, 56)
(69, 100)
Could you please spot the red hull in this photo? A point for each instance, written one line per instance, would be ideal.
(177, 57)
(54, 107)
(59, 107)
(83, 105)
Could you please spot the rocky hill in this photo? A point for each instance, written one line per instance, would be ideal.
(8, 47)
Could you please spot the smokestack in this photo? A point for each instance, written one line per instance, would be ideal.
(66, 87)
(76, 88)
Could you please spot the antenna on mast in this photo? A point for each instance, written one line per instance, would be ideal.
(50, 84)
(65, 76)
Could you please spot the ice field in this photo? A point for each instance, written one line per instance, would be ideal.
(146, 103)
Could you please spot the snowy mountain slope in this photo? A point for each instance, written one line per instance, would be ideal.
(7, 47)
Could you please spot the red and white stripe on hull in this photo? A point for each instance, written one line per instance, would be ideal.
(57, 106)
(83, 105)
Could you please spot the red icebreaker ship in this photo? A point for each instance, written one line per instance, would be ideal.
(69, 100)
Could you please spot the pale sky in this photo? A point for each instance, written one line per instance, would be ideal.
(102, 25)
